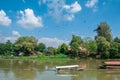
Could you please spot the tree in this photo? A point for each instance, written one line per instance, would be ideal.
(76, 39)
(114, 50)
(116, 39)
(92, 47)
(75, 49)
(2, 49)
(103, 47)
(75, 44)
(51, 50)
(104, 31)
(40, 47)
(62, 49)
(25, 45)
(8, 48)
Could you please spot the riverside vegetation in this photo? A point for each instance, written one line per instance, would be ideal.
(104, 46)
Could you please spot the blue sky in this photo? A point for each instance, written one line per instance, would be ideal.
(54, 21)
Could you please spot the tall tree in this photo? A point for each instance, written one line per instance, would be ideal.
(62, 49)
(103, 47)
(75, 44)
(51, 50)
(116, 39)
(104, 31)
(2, 49)
(25, 44)
(92, 47)
(75, 49)
(8, 48)
(76, 39)
(40, 47)
(115, 48)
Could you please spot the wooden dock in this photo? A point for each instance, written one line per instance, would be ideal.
(70, 67)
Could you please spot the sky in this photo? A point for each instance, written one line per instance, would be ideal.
(53, 22)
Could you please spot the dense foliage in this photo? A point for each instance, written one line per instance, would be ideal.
(104, 31)
(104, 46)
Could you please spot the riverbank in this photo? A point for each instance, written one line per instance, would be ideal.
(39, 57)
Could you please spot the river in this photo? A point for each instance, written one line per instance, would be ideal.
(45, 70)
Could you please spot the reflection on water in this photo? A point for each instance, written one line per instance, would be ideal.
(45, 70)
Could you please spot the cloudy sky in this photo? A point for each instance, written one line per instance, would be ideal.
(54, 21)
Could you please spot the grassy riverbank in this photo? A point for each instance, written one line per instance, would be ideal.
(39, 57)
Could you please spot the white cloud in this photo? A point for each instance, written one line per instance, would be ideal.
(54, 42)
(29, 20)
(69, 17)
(61, 11)
(66, 6)
(16, 33)
(11, 38)
(4, 19)
(74, 8)
(91, 3)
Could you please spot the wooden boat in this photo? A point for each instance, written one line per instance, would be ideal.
(69, 67)
(110, 65)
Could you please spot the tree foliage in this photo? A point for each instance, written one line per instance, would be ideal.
(103, 47)
(76, 39)
(62, 49)
(6, 48)
(104, 31)
(25, 44)
(40, 47)
(51, 50)
(75, 44)
(92, 47)
(116, 39)
(114, 50)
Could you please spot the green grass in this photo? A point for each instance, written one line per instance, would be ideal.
(39, 57)
(58, 56)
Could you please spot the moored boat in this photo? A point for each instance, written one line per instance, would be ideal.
(110, 65)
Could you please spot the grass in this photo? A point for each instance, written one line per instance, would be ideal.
(54, 57)
(39, 57)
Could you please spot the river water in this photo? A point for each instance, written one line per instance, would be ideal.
(45, 70)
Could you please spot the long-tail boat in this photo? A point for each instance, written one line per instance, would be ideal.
(110, 65)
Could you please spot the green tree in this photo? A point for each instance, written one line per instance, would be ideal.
(104, 31)
(40, 47)
(116, 39)
(74, 45)
(76, 39)
(25, 45)
(75, 49)
(103, 47)
(92, 47)
(51, 50)
(114, 50)
(2, 49)
(8, 48)
(62, 49)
